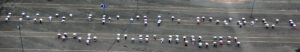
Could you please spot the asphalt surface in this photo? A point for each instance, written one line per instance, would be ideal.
(36, 37)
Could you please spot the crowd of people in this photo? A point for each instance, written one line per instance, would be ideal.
(185, 40)
(159, 21)
(88, 38)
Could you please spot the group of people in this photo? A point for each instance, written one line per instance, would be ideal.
(106, 19)
(192, 40)
(88, 40)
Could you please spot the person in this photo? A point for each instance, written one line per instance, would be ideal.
(95, 38)
(206, 44)
(276, 20)
(252, 23)
(186, 43)
(169, 40)
(58, 35)
(200, 44)
(41, 20)
(109, 19)
(178, 21)
(203, 18)
(90, 15)
(184, 38)
(145, 22)
(141, 40)
(215, 44)
(64, 18)
(273, 26)
(37, 14)
(145, 17)
(170, 36)
(238, 44)
(229, 37)
(89, 38)
(267, 26)
(263, 20)
(118, 39)
(35, 20)
(192, 37)
(87, 42)
(140, 36)
(56, 15)
(9, 13)
(243, 19)
(193, 41)
(177, 40)
(79, 39)
(63, 21)
(255, 19)
(75, 36)
(215, 37)
(50, 18)
(244, 23)
(228, 42)
(89, 34)
(210, 19)
(158, 17)
(291, 23)
(225, 22)
(147, 36)
(65, 34)
(118, 17)
(125, 36)
(290, 20)
(294, 26)
(238, 22)
(132, 40)
(63, 38)
(197, 18)
(161, 40)
(229, 19)
(221, 42)
(177, 36)
(199, 38)
(172, 18)
(154, 36)
(89, 18)
(28, 17)
(137, 17)
(131, 20)
(217, 22)
(20, 19)
(147, 40)
(118, 34)
(103, 20)
(240, 25)
(159, 22)
(104, 16)
(220, 37)
(198, 21)
(235, 39)
(23, 14)
(8, 16)
(6, 19)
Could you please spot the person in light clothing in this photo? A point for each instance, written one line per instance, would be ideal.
(172, 18)
(178, 21)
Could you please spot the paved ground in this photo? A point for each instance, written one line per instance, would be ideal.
(35, 37)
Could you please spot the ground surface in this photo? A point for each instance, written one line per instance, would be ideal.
(34, 37)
